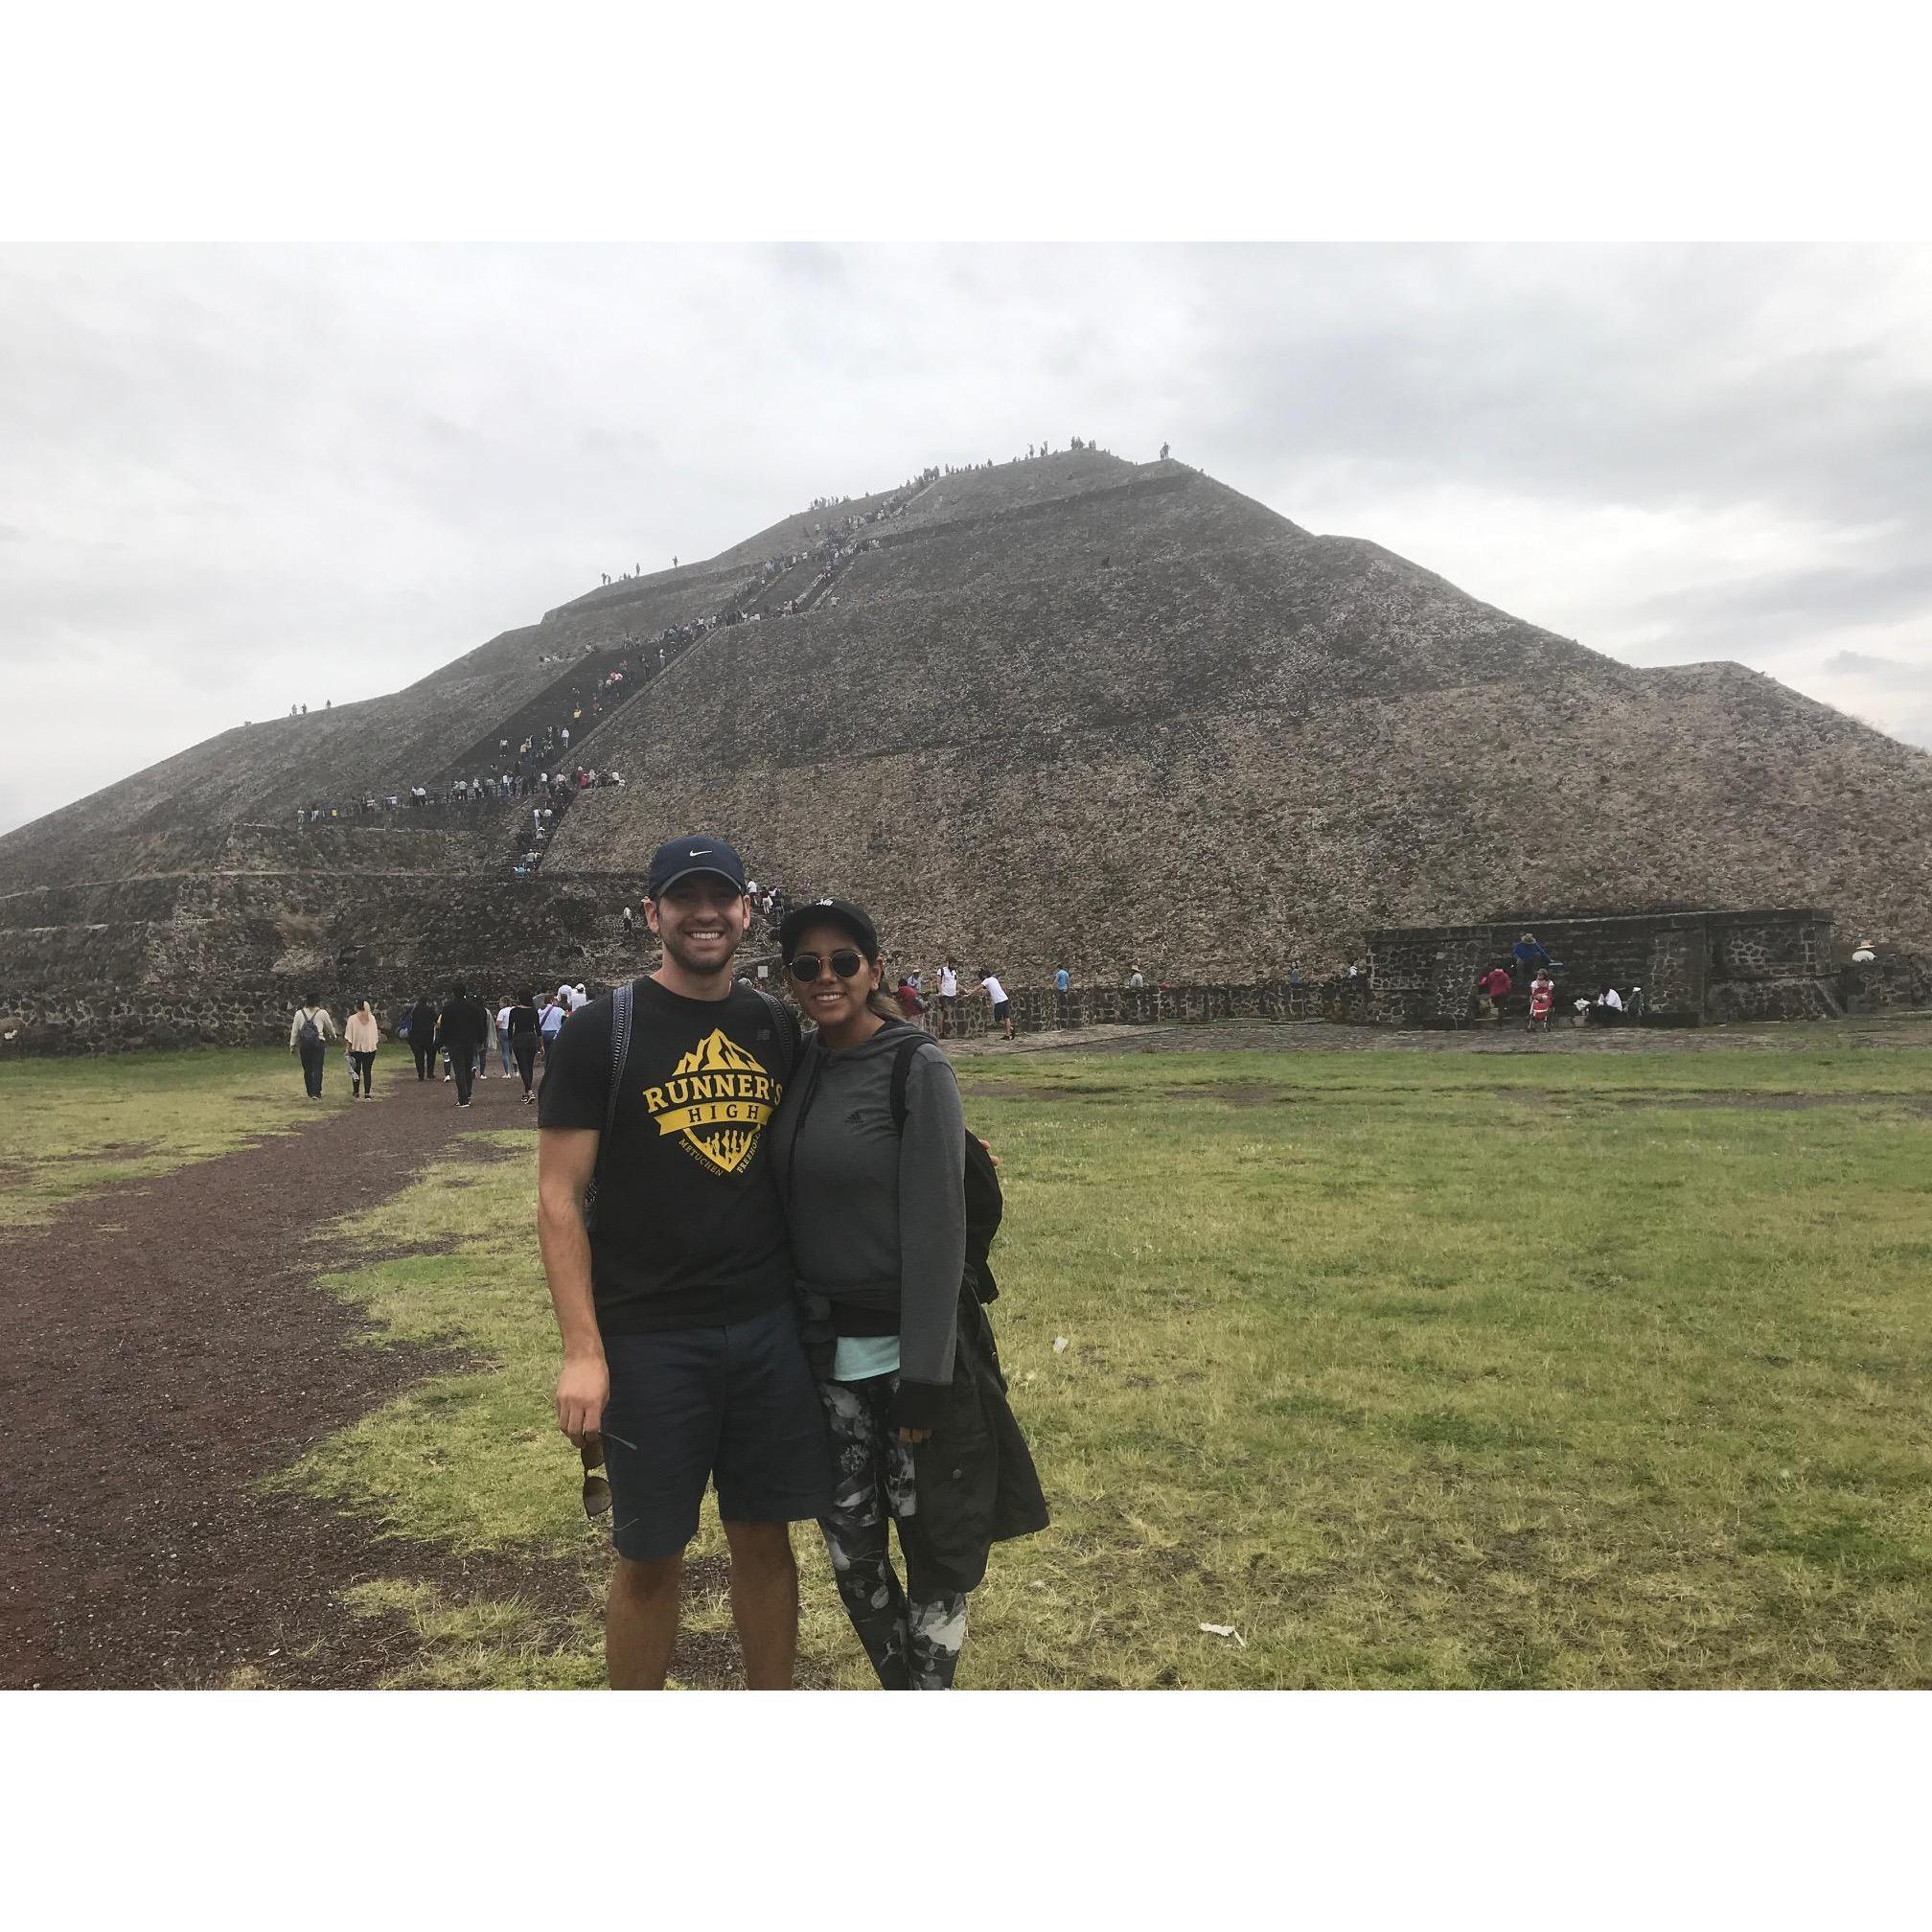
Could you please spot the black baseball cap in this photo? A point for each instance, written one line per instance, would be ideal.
(841, 912)
(680, 857)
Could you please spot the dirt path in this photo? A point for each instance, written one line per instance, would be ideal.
(164, 1349)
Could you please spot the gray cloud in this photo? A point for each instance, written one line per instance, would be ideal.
(239, 477)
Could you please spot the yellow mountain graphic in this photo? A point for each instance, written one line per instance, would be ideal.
(716, 1053)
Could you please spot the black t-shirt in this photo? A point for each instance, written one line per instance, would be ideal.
(690, 1232)
(464, 1022)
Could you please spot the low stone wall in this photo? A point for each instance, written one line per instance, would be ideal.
(225, 959)
(1043, 1010)
(1899, 980)
(1693, 966)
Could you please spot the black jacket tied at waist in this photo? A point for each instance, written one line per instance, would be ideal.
(974, 1475)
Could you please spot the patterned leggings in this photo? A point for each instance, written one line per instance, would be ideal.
(911, 1634)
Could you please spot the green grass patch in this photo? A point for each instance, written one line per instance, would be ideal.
(70, 1127)
(1417, 1369)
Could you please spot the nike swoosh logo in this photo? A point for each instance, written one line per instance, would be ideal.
(706, 854)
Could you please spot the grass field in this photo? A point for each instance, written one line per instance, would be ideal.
(70, 1127)
(1417, 1369)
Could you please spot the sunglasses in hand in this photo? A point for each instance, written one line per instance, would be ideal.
(596, 1484)
(845, 962)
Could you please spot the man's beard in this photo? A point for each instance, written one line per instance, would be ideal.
(675, 951)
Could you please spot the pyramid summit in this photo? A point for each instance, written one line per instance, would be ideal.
(1066, 710)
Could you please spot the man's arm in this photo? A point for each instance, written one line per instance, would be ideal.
(566, 1157)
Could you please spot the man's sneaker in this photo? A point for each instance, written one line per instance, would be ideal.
(462, 1103)
(448, 1077)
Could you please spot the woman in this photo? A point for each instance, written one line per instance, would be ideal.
(875, 1203)
(361, 1035)
(521, 1031)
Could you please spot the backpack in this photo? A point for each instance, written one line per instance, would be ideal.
(310, 1034)
(621, 1002)
(985, 1205)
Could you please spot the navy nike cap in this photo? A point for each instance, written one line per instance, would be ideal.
(680, 857)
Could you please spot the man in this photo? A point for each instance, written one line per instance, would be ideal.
(681, 1357)
(1062, 980)
(1135, 981)
(627, 925)
(1528, 956)
(1002, 1008)
(461, 1029)
(310, 1027)
(503, 1036)
(949, 996)
(422, 1038)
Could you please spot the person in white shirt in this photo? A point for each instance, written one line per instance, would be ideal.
(503, 1036)
(949, 1001)
(1609, 998)
(1864, 954)
(1002, 1008)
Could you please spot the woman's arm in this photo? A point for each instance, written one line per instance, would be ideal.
(932, 1239)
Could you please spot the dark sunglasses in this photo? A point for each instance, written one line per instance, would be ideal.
(805, 967)
(596, 1487)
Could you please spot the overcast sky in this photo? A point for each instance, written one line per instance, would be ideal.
(236, 478)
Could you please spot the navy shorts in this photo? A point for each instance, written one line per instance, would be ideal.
(736, 1403)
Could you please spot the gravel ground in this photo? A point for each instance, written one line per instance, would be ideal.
(165, 1349)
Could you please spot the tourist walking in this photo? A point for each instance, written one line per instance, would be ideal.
(362, 1035)
(503, 1034)
(422, 1038)
(521, 1030)
(550, 1022)
(869, 1156)
(309, 1033)
(683, 1361)
(461, 1028)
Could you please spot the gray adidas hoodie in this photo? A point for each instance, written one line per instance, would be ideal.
(877, 1218)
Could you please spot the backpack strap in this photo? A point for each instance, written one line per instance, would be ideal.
(620, 1051)
(901, 1073)
(786, 1023)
